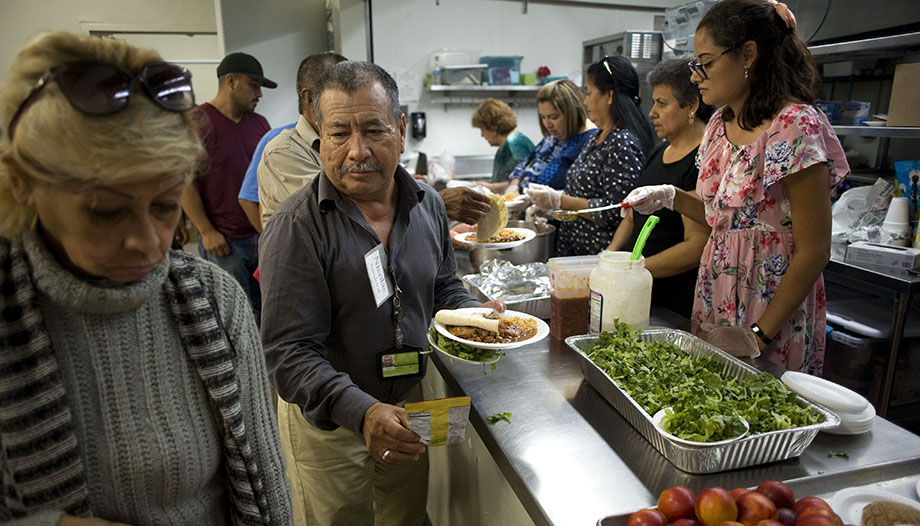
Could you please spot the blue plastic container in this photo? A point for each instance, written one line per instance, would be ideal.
(502, 69)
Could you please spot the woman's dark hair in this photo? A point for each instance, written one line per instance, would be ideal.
(784, 70)
(625, 111)
(672, 72)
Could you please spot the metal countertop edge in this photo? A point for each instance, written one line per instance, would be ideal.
(528, 499)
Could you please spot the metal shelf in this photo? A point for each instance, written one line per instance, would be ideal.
(473, 95)
(896, 132)
(486, 89)
(890, 46)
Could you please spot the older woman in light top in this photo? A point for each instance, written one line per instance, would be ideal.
(132, 383)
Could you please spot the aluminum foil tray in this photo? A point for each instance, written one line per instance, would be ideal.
(749, 451)
(538, 306)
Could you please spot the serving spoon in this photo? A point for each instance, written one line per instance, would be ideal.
(572, 215)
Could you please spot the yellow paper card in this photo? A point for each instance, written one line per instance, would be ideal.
(440, 421)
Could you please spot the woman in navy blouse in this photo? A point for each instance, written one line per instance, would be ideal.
(608, 166)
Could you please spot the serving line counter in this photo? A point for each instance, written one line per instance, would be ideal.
(571, 459)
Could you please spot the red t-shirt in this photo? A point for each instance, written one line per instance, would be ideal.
(230, 146)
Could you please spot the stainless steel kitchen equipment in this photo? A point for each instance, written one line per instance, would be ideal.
(642, 48)
(749, 451)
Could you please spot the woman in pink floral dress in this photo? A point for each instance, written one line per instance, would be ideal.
(768, 162)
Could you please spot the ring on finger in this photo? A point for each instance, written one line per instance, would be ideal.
(386, 455)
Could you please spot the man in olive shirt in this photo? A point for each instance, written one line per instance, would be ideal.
(354, 266)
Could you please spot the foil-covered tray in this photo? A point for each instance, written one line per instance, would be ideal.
(538, 306)
(748, 451)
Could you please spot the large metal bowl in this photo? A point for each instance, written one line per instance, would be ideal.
(540, 248)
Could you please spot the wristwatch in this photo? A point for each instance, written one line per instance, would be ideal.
(760, 334)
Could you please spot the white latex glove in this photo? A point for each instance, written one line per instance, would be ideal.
(544, 196)
(535, 213)
(736, 341)
(650, 199)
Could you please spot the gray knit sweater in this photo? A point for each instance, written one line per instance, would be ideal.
(147, 435)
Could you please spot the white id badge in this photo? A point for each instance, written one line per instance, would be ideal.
(376, 262)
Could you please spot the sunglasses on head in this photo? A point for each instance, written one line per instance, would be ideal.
(607, 67)
(100, 89)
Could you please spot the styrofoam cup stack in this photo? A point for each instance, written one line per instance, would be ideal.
(855, 412)
(896, 228)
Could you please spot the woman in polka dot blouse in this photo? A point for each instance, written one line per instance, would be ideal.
(608, 166)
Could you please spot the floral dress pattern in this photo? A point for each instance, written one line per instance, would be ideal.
(751, 243)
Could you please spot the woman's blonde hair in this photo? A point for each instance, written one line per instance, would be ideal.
(56, 144)
(569, 101)
(495, 116)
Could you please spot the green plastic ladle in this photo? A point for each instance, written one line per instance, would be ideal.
(643, 237)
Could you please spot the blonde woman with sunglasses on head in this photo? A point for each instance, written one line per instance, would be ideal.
(768, 162)
(132, 384)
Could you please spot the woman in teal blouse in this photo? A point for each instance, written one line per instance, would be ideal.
(497, 123)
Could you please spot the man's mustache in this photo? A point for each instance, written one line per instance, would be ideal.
(362, 167)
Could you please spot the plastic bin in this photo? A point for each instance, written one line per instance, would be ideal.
(570, 294)
(469, 74)
(502, 69)
(854, 361)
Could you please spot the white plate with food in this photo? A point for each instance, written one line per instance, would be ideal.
(515, 237)
(465, 353)
(484, 328)
(849, 503)
(514, 200)
(458, 183)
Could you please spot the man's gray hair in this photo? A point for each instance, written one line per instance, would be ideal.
(350, 75)
(311, 69)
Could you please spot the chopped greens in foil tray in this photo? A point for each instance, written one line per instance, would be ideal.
(705, 402)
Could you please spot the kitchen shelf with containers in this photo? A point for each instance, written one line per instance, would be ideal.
(841, 61)
(472, 94)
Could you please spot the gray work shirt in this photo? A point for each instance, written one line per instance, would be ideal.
(321, 327)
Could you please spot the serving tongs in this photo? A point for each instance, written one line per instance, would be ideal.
(572, 215)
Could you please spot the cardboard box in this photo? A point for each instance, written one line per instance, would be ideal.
(904, 109)
(863, 253)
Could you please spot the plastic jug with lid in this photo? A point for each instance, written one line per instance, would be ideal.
(621, 288)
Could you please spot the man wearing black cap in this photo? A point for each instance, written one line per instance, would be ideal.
(230, 131)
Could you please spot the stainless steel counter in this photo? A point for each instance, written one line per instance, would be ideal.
(572, 459)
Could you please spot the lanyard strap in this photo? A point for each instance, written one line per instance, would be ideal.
(397, 308)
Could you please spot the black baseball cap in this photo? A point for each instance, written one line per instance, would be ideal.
(243, 63)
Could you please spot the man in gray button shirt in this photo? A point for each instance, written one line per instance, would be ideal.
(330, 317)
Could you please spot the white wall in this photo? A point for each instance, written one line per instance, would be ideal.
(280, 37)
(407, 31)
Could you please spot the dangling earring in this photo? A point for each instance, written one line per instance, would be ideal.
(691, 118)
(745, 72)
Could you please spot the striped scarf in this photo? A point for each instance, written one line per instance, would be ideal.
(42, 468)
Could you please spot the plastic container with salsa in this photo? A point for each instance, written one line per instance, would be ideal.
(570, 294)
